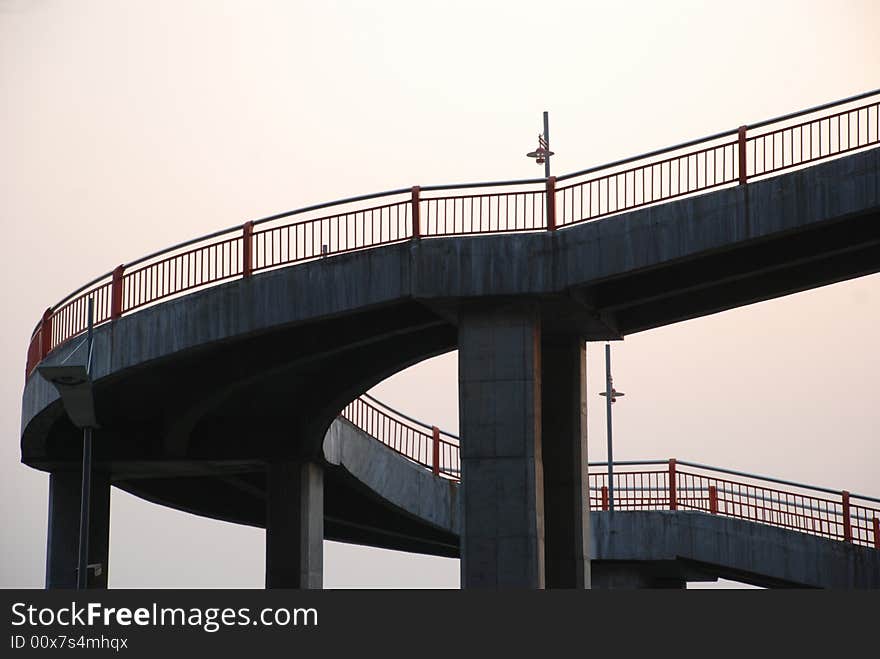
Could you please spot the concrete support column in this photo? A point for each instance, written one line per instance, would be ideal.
(500, 421)
(564, 449)
(295, 525)
(62, 540)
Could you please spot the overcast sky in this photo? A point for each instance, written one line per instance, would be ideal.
(128, 126)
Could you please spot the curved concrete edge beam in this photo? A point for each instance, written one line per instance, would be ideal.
(450, 269)
(734, 545)
(399, 481)
(722, 546)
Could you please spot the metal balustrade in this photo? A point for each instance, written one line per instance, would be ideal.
(425, 445)
(733, 157)
(655, 484)
(338, 227)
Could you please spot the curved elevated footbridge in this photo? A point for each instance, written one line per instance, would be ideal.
(219, 365)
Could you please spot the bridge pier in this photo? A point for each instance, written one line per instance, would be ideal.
(294, 525)
(564, 452)
(502, 544)
(522, 402)
(62, 540)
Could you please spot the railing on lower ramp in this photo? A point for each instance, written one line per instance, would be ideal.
(680, 485)
(655, 484)
(424, 444)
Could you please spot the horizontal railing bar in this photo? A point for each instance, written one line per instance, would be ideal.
(484, 184)
(422, 424)
(649, 154)
(634, 463)
(770, 479)
(233, 229)
(185, 243)
(337, 202)
(662, 487)
(80, 290)
(717, 136)
(628, 463)
(659, 163)
(828, 117)
(817, 108)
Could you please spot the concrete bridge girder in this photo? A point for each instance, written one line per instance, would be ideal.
(180, 384)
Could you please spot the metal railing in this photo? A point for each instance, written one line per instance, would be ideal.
(655, 484)
(664, 485)
(338, 227)
(425, 445)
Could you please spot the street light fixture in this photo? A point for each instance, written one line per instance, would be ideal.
(542, 153)
(74, 385)
(611, 394)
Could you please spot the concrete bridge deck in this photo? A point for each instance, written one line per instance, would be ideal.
(194, 394)
(630, 548)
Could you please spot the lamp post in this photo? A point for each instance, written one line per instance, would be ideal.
(74, 385)
(542, 153)
(611, 395)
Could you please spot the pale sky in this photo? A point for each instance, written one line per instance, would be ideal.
(128, 126)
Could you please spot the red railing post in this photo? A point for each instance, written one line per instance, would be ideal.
(713, 499)
(847, 521)
(116, 293)
(673, 496)
(435, 432)
(741, 148)
(877, 533)
(45, 334)
(247, 251)
(551, 203)
(416, 220)
(604, 497)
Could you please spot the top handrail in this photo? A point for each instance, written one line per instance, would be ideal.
(841, 517)
(718, 136)
(328, 204)
(648, 154)
(418, 423)
(733, 472)
(486, 184)
(815, 108)
(651, 462)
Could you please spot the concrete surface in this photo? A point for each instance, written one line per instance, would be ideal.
(499, 383)
(197, 394)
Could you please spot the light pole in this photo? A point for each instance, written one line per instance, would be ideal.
(611, 395)
(542, 153)
(74, 385)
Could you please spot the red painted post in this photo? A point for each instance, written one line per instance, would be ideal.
(45, 334)
(551, 203)
(247, 252)
(847, 521)
(877, 533)
(713, 499)
(435, 431)
(604, 497)
(116, 293)
(673, 496)
(741, 147)
(416, 219)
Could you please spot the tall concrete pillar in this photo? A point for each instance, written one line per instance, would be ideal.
(62, 539)
(564, 450)
(295, 525)
(500, 423)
